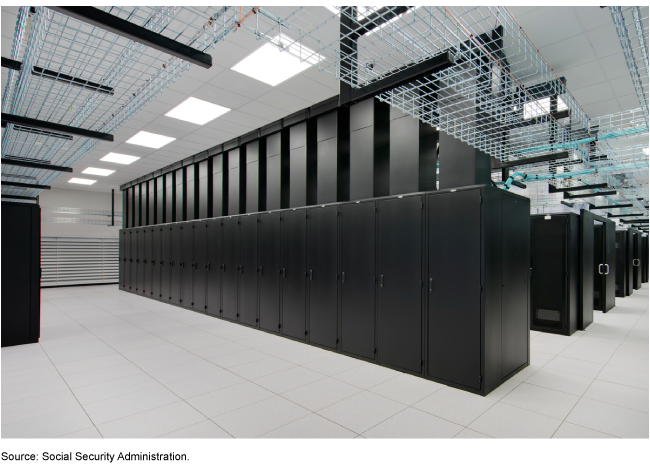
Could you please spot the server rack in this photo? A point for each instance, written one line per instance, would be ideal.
(125, 255)
(248, 270)
(187, 264)
(636, 258)
(166, 264)
(133, 271)
(149, 263)
(156, 263)
(140, 259)
(555, 267)
(122, 257)
(629, 281)
(200, 266)
(644, 258)
(381, 276)
(621, 263)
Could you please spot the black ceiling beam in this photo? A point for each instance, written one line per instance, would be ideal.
(497, 164)
(56, 127)
(25, 185)
(635, 221)
(64, 78)
(40, 166)
(578, 196)
(567, 204)
(21, 198)
(553, 189)
(131, 31)
(604, 207)
(11, 64)
(518, 184)
(624, 215)
(377, 18)
(425, 68)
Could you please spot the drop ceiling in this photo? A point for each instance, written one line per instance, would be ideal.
(580, 43)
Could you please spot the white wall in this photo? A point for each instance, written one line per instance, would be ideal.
(85, 200)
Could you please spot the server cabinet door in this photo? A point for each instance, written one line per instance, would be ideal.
(549, 264)
(629, 278)
(637, 261)
(141, 235)
(599, 259)
(187, 264)
(166, 253)
(214, 265)
(122, 257)
(515, 268)
(157, 264)
(200, 266)
(149, 266)
(133, 261)
(609, 298)
(454, 341)
(177, 258)
(621, 266)
(294, 271)
(399, 306)
(126, 260)
(323, 276)
(270, 270)
(357, 232)
(230, 268)
(248, 270)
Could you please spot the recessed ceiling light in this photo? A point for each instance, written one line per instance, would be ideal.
(119, 158)
(197, 111)
(97, 171)
(272, 66)
(81, 181)
(155, 141)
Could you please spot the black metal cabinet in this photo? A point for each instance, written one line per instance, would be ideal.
(636, 259)
(141, 260)
(644, 258)
(149, 266)
(214, 265)
(323, 276)
(629, 282)
(176, 266)
(230, 268)
(187, 264)
(125, 257)
(454, 287)
(294, 273)
(621, 263)
(200, 266)
(555, 266)
(269, 271)
(133, 264)
(166, 256)
(599, 262)
(399, 304)
(610, 266)
(357, 239)
(157, 263)
(248, 271)
(586, 293)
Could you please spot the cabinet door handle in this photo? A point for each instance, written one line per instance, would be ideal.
(430, 284)
(607, 272)
(600, 269)
(342, 278)
(381, 281)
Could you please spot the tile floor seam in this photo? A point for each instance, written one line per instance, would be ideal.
(196, 423)
(453, 422)
(283, 425)
(75, 396)
(140, 412)
(611, 404)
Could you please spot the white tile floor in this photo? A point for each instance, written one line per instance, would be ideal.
(111, 364)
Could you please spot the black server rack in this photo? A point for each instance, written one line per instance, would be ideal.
(214, 252)
(200, 266)
(357, 230)
(149, 263)
(190, 192)
(270, 270)
(157, 262)
(21, 273)
(187, 264)
(323, 276)
(609, 266)
(133, 265)
(167, 268)
(248, 271)
(432, 284)
(599, 269)
(140, 260)
(294, 273)
(644, 258)
(629, 276)
(587, 265)
(230, 270)
(399, 301)
(176, 266)
(621, 263)
(555, 273)
(125, 253)
(636, 259)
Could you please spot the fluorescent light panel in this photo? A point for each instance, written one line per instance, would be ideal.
(155, 141)
(119, 158)
(97, 171)
(81, 181)
(272, 66)
(197, 111)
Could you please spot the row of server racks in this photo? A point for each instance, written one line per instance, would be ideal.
(431, 284)
(579, 264)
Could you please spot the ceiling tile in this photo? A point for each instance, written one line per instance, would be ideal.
(602, 108)
(569, 52)
(246, 119)
(583, 75)
(307, 89)
(629, 102)
(264, 111)
(546, 26)
(592, 17)
(592, 94)
(241, 84)
(220, 96)
(623, 86)
(605, 40)
(284, 101)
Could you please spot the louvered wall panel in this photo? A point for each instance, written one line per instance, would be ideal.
(78, 260)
